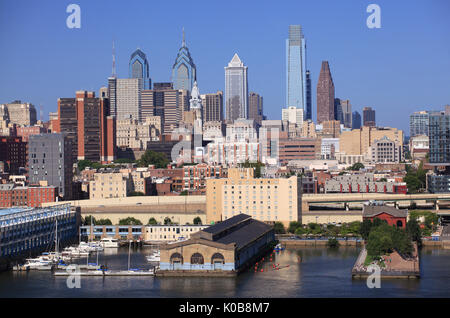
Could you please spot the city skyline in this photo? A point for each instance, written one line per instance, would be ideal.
(90, 69)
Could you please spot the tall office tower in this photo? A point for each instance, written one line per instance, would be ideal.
(236, 89)
(255, 107)
(50, 159)
(112, 95)
(338, 110)
(184, 72)
(356, 120)
(138, 68)
(325, 94)
(308, 97)
(293, 115)
(369, 117)
(418, 123)
(212, 106)
(128, 98)
(439, 128)
(86, 122)
(296, 84)
(346, 108)
(22, 114)
(165, 102)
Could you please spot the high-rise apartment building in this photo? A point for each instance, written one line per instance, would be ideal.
(356, 120)
(418, 123)
(86, 122)
(439, 134)
(325, 94)
(212, 106)
(255, 107)
(236, 89)
(184, 72)
(19, 113)
(369, 117)
(138, 68)
(265, 199)
(50, 159)
(128, 98)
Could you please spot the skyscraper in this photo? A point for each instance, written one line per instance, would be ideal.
(308, 97)
(369, 117)
(255, 107)
(212, 106)
(184, 72)
(338, 110)
(356, 120)
(86, 122)
(138, 68)
(346, 109)
(236, 89)
(325, 94)
(125, 97)
(296, 83)
(418, 123)
(439, 128)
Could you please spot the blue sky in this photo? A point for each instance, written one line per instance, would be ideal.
(398, 69)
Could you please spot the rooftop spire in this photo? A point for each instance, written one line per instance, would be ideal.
(184, 39)
(114, 60)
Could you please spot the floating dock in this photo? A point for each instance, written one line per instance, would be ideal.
(107, 273)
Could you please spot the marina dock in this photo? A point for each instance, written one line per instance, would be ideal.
(107, 273)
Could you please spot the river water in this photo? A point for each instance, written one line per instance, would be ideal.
(323, 272)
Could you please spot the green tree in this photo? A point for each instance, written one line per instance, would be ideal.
(151, 157)
(255, 165)
(167, 221)
(184, 192)
(197, 220)
(83, 164)
(300, 230)
(88, 220)
(293, 226)
(152, 221)
(357, 166)
(136, 194)
(332, 242)
(129, 221)
(279, 228)
(413, 230)
(124, 160)
(104, 222)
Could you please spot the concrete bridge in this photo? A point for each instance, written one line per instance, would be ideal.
(346, 199)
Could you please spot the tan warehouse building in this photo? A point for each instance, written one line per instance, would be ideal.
(265, 199)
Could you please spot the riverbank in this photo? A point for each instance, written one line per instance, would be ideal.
(393, 265)
(292, 243)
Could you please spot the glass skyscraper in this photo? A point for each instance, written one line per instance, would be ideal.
(184, 72)
(439, 134)
(296, 77)
(138, 68)
(418, 123)
(236, 89)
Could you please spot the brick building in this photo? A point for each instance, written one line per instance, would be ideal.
(389, 214)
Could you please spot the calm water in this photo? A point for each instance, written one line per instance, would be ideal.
(322, 273)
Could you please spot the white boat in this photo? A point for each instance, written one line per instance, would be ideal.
(155, 257)
(109, 242)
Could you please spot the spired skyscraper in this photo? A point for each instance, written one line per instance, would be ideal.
(325, 95)
(297, 76)
(184, 72)
(236, 89)
(138, 68)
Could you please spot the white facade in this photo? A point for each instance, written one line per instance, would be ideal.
(293, 115)
(128, 98)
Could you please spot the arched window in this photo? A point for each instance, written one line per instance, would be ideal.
(176, 258)
(197, 258)
(399, 223)
(217, 258)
